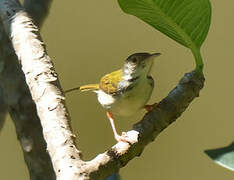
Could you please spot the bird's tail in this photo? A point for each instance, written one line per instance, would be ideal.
(89, 87)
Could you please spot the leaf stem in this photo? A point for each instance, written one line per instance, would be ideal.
(198, 60)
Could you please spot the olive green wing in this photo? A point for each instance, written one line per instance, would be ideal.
(109, 82)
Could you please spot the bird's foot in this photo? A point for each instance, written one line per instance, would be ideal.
(124, 137)
(149, 108)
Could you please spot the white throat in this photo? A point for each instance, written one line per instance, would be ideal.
(129, 72)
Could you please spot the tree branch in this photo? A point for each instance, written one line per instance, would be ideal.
(45, 88)
(3, 105)
(23, 113)
(46, 93)
(3, 108)
(37, 9)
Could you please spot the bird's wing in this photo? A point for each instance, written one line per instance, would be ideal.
(109, 82)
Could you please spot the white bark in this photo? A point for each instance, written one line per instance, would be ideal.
(44, 86)
(22, 110)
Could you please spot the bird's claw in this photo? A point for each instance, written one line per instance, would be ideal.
(149, 108)
(124, 137)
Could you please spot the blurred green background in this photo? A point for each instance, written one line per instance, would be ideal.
(88, 39)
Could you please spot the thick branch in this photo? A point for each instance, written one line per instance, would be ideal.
(3, 105)
(46, 92)
(23, 113)
(3, 108)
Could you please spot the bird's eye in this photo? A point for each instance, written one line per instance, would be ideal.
(134, 60)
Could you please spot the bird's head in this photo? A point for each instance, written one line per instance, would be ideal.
(139, 64)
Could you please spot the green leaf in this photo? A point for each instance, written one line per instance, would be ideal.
(223, 156)
(185, 21)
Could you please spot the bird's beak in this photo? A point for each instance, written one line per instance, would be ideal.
(155, 55)
(152, 56)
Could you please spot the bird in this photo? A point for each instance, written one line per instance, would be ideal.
(125, 91)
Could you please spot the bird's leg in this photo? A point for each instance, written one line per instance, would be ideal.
(117, 136)
(149, 108)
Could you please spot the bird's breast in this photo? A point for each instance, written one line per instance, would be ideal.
(106, 100)
(128, 102)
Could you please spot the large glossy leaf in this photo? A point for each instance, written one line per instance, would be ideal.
(185, 21)
(223, 156)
